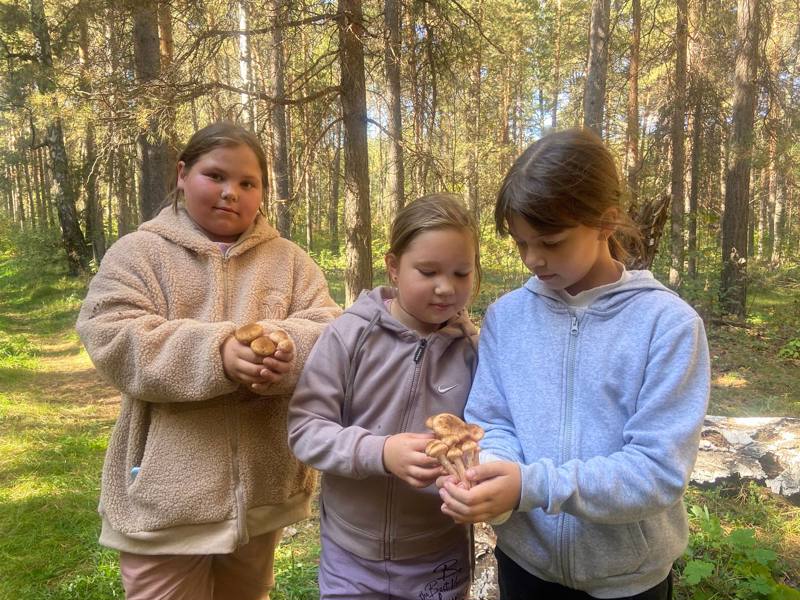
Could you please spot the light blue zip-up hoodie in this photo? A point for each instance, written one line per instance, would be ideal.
(602, 408)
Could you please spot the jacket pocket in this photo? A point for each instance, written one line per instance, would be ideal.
(185, 471)
(602, 551)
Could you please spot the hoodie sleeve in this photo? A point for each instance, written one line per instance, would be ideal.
(316, 434)
(310, 309)
(652, 470)
(123, 325)
(487, 405)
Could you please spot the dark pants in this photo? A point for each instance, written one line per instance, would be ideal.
(517, 584)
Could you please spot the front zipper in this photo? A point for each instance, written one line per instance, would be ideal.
(566, 446)
(242, 536)
(419, 355)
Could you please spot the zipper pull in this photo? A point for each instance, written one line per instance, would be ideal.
(420, 350)
(574, 329)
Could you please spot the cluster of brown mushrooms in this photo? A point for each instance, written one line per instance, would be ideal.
(264, 344)
(456, 444)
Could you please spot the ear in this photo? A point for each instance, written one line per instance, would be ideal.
(392, 266)
(182, 172)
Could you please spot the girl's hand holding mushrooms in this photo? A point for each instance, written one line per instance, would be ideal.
(257, 358)
(404, 456)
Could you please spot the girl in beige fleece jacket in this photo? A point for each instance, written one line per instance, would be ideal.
(198, 480)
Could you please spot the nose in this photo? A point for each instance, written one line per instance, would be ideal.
(444, 287)
(228, 193)
(533, 259)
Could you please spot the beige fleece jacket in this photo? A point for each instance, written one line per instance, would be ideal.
(213, 463)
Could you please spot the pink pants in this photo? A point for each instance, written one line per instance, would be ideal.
(246, 574)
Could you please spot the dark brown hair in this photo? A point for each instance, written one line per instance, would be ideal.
(565, 179)
(435, 211)
(222, 134)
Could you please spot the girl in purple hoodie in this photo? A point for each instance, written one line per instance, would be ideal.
(396, 356)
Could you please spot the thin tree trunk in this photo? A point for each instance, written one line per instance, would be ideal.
(594, 92)
(733, 289)
(557, 68)
(474, 124)
(94, 208)
(697, 85)
(395, 166)
(280, 144)
(358, 273)
(632, 123)
(246, 66)
(778, 197)
(678, 147)
(71, 234)
(336, 177)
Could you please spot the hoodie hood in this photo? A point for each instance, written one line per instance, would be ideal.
(179, 228)
(372, 305)
(611, 300)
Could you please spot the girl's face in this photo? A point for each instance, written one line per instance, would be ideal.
(434, 278)
(222, 191)
(574, 259)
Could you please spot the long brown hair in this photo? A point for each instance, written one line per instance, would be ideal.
(565, 179)
(222, 134)
(434, 211)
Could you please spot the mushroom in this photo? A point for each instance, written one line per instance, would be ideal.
(470, 449)
(263, 346)
(247, 333)
(438, 450)
(455, 455)
(282, 340)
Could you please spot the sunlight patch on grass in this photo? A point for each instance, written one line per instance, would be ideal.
(730, 380)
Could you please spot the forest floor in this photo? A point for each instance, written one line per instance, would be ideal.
(56, 415)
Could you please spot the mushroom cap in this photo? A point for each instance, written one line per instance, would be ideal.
(278, 335)
(475, 432)
(436, 448)
(445, 424)
(263, 346)
(247, 333)
(469, 446)
(454, 453)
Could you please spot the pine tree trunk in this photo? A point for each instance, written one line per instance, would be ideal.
(358, 237)
(678, 148)
(632, 123)
(395, 165)
(71, 234)
(696, 93)
(94, 208)
(280, 143)
(557, 67)
(594, 92)
(474, 125)
(153, 151)
(733, 288)
(336, 178)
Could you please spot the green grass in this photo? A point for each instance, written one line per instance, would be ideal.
(56, 416)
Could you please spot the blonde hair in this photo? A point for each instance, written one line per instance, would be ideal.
(222, 134)
(567, 178)
(431, 212)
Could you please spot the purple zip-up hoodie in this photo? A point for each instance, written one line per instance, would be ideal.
(397, 379)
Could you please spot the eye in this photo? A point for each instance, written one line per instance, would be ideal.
(214, 176)
(551, 244)
(464, 275)
(249, 185)
(425, 273)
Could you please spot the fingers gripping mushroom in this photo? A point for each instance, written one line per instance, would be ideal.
(436, 449)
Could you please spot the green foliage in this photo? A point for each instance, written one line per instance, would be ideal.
(16, 351)
(728, 564)
(791, 349)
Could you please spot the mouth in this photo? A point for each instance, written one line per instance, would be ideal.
(442, 306)
(225, 209)
(545, 277)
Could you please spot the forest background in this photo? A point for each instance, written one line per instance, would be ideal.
(362, 106)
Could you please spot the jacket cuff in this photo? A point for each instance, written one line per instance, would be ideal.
(533, 491)
(369, 456)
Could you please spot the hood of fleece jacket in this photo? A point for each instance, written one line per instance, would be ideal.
(372, 304)
(178, 227)
(614, 298)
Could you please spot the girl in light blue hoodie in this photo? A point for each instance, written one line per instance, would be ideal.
(592, 385)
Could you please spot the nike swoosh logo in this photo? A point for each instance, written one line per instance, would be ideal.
(444, 390)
